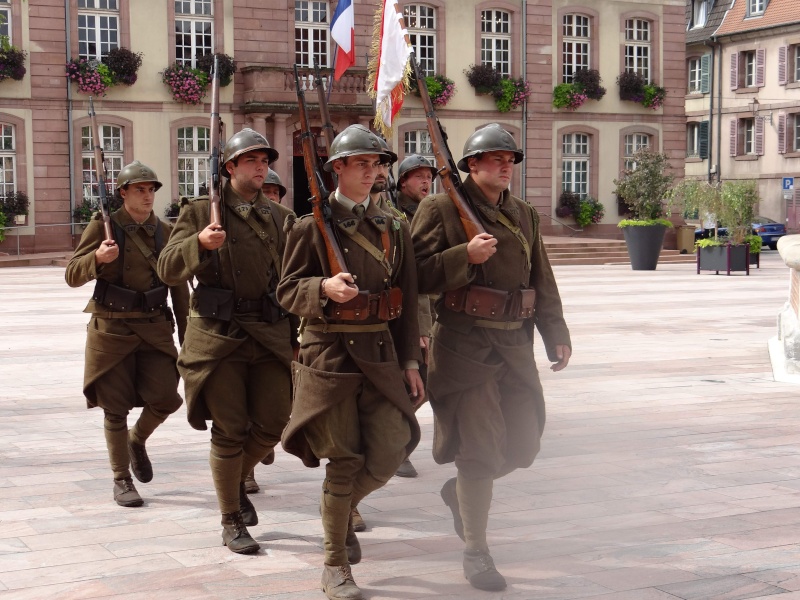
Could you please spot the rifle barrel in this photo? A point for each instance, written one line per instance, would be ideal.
(100, 172)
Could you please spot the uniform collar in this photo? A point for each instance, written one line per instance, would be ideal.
(261, 205)
(488, 210)
(346, 220)
(130, 225)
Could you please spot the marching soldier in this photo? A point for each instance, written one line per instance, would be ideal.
(238, 350)
(414, 182)
(350, 402)
(130, 352)
(483, 385)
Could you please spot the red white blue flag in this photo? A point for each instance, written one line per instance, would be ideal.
(343, 33)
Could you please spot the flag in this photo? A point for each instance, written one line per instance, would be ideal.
(343, 33)
(389, 69)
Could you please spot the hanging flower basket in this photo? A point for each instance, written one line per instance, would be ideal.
(585, 85)
(119, 67)
(440, 89)
(12, 62)
(633, 88)
(186, 84)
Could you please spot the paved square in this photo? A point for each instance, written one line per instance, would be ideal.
(670, 467)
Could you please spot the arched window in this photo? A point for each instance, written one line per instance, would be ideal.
(194, 30)
(575, 46)
(311, 24)
(575, 161)
(8, 159)
(113, 154)
(421, 24)
(194, 149)
(496, 40)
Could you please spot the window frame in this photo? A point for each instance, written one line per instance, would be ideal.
(12, 154)
(756, 8)
(654, 69)
(653, 135)
(123, 25)
(111, 171)
(693, 139)
(313, 26)
(424, 31)
(495, 38)
(195, 155)
(696, 24)
(516, 26)
(194, 20)
(594, 37)
(419, 128)
(98, 14)
(693, 86)
(217, 29)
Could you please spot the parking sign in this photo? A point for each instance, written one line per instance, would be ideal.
(788, 184)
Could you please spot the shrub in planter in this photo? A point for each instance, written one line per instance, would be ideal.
(588, 80)
(585, 85)
(569, 96)
(589, 212)
(84, 211)
(186, 84)
(440, 89)
(484, 78)
(12, 62)
(227, 67)
(124, 65)
(173, 210)
(511, 94)
(646, 187)
(93, 77)
(567, 203)
(15, 204)
(633, 88)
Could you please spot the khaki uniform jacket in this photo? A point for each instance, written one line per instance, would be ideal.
(440, 245)
(245, 266)
(331, 365)
(133, 271)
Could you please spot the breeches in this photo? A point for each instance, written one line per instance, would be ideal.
(248, 395)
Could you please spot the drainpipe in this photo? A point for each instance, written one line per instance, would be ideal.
(524, 47)
(719, 112)
(711, 109)
(70, 130)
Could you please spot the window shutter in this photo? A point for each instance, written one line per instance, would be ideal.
(759, 141)
(734, 70)
(783, 52)
(734, 127)
(761, 61)
(705, 61)
(702, 141)
(782, 133)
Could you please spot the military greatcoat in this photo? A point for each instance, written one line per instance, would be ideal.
(332, 364)
(482, 382)
(112, 336)
(246, 264)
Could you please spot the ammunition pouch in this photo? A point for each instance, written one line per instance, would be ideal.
(385, 305)
(488, 303)
(119, 299)
(214, 303)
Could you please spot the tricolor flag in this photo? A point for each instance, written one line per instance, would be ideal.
(389, 69)
(343, 33)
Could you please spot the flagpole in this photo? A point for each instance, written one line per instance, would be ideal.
(333, 70)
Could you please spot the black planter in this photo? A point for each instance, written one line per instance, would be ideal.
(725, 258)
(644, 245)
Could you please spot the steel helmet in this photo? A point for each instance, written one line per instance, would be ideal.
(273, 179)
(412, 162)
(388, 150)
(353, 141)
(490, 138)
(246, 140)
(137, 172)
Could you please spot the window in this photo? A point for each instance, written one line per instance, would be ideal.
(5, 20)
(8, 159)
(756, 7)
(633, 143)
(194, 148)
(694, 75)
(418, 141)
(576, 32)
(747, 137)
(699, 13)
(194, 30)
(698, 69)
(747, 130)
(112, 144)
(637, 47)
(575, 163)
(795, 133)
(421, 24)
(693, 140)
(496, 40)
(98, 28)
(749, 66)
(311, 33)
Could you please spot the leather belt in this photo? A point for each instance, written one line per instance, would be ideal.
(508, 325)
(347, 328)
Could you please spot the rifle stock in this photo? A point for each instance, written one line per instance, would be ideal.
(216, 128)
(100, 173)
(448, 172)
(319, 195)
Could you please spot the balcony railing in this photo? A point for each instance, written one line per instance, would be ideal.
(276, 85)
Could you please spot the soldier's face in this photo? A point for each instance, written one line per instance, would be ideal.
(272, 192)
(138, 199)
(492, 172)
(357, 175)
(249, 172)
(417, 184)
(380, 179)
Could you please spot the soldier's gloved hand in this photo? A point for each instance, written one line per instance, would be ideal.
(211, 238)
(107, 252)
(340, 288)
(481, 248)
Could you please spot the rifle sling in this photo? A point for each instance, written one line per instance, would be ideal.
(262, 235)
(381, 257)
(504, 220)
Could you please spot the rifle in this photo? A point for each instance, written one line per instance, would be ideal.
(216, 129)
(325, 116)
(319, 195)
(448, 172)
(100, 172)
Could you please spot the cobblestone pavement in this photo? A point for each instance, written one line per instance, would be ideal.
(670, 467)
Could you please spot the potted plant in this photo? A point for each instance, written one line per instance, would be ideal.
(2, 226)
(644, 190)
(511, 93)
(568, 203)
(440, 89)
(173, 210)
(589, 212)
(227, 67)
(186, 84)
(124, 65)
(12, 61)
(94, 78)
(15, 207)
(484, 78)
(585, 85)
(633, 88)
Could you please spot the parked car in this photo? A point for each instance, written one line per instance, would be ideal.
(768, 230)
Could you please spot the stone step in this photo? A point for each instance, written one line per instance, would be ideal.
(45, 259)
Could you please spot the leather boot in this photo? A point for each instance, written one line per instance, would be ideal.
(246, 508)
(450, 498)
(338, 583)
(235, 535)
(125, 493)
(140, 463)
(351, 544)
(357, 520)
(481, 573)
(250, 484)
(406, 469)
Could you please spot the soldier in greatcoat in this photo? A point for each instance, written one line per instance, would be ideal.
(482, 380)
(236, 358)
(130, 352)
(360, 342)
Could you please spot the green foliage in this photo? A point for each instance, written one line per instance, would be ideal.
(644, 188)
(2, 226)
(14, 203)
(84, 211)
(568, 95)
(643, 222)
(484, 78)
(738, 207)
(755, 243)
(227, 67)
(709, 243)
(589, 211)
(172, 211)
